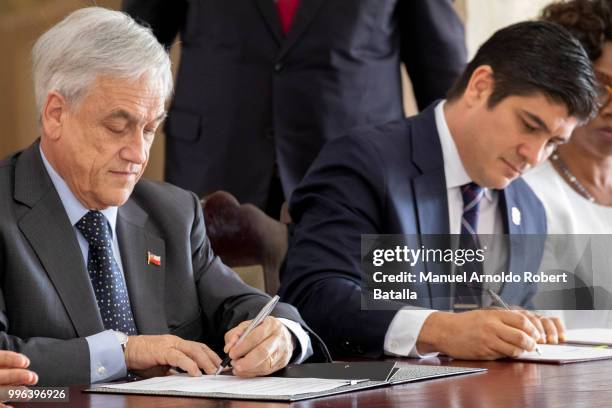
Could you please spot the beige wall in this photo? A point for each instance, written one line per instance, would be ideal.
(21, 23)
(484, 17)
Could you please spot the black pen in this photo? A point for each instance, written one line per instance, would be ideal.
(263, 313)
(500, 302)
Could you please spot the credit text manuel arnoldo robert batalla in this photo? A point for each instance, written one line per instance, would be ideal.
(410, 257)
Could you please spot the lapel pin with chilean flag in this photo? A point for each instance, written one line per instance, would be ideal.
(153, 259)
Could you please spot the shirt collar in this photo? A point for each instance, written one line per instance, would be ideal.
(74, 209)
(454, 172)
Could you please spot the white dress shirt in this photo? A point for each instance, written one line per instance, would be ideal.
(402, 334)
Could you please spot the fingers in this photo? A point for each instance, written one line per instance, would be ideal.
(10, 359)
(176, 358)
(232, 336)
(560, 328)
(552, 336)
(214, 358)
(201, 354)
(513, 342)
(505, 334)
(269, 356)
(268, 327)
(551, 329)
(13, 369)
(17, 376)
(535, 320)
(266, 358)
(519, 321)
(147, 352)
(502, 348)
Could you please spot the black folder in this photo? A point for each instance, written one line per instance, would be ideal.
(373, 371)
(394, 373)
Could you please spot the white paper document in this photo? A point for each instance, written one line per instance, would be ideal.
(566, 354)
(270, 386)
(589, 336)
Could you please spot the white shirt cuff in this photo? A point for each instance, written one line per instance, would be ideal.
(302, 337)
(403, 332)
(106, 358)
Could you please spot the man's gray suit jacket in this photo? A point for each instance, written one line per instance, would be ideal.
(47, 305)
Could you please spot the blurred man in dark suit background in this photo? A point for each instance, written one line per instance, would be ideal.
(263, 84)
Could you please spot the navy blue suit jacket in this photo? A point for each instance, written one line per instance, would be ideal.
(386, 179)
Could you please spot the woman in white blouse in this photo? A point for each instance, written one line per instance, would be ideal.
(575, 184)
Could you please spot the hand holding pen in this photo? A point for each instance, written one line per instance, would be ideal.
(497, 300)
(258, 347)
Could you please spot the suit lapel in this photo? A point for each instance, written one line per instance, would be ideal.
(431, 196)
(145, 280)
(432, 207)
(430, 186)
(268, 11)
(516, 244)
(48, 230)
(432, 202)
(304, 15)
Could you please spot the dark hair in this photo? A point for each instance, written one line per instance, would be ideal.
(536, 56)
(590, 21)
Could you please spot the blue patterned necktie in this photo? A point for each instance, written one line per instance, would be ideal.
(472, 193)
(468, 295)
(106, 278)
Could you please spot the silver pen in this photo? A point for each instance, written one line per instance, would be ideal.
(500, 302)
(263, 313)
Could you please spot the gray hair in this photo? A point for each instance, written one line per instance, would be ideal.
(95, 41)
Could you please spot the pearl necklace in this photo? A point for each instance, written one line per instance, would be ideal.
(571, 178)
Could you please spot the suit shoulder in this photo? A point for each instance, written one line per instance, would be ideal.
(382, 133)
(7, 169)
(385, 138)
(164, 196)
(9, 161)
(373, 152)
(4, 163)
(365, 158)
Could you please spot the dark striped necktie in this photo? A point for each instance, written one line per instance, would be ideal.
(468, 295)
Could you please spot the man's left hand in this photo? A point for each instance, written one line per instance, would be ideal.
(266, 349)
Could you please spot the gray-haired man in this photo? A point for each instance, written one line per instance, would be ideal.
(103, 273)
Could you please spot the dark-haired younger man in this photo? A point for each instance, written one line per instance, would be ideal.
(523, 93)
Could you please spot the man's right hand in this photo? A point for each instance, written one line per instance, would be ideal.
(478, 335)
(161, 352)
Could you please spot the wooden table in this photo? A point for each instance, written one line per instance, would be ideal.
(506, 384)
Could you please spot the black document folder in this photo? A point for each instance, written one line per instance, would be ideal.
(373, 371)
(394, 373)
